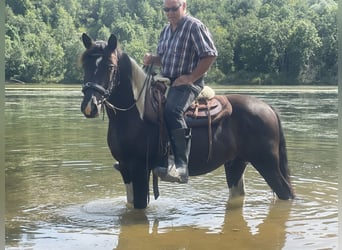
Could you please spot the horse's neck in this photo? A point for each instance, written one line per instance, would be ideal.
(138, 88)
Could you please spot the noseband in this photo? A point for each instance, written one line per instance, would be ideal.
(97, 87)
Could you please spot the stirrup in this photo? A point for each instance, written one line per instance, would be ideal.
(170, 174)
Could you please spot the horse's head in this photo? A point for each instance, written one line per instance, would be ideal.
(99, 61)
(112, 78)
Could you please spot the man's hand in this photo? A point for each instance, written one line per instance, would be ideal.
(150, 58)
(183, 80)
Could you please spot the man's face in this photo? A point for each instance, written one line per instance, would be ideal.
(174, 11)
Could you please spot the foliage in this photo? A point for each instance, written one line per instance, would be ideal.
(259, 41)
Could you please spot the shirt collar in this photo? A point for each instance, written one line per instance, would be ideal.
(180, 24)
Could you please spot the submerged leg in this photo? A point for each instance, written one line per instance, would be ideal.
(269, 170)
(234, 176)
(140, 178)
(127, 181)
(135, 177)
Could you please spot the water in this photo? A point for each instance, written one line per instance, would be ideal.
(62, 192)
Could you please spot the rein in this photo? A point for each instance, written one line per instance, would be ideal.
(147, 80)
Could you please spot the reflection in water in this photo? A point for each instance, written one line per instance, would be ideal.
(270, 234)
(62, 192)
(117, 227)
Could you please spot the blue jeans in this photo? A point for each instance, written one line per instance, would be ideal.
(179, 98)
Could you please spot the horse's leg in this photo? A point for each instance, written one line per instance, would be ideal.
(270, 171)
(135, 176)
(140, 178)
(234, 176)
(123, 169)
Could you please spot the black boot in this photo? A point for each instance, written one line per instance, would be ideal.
(177, 170)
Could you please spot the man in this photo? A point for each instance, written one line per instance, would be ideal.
(185, 52)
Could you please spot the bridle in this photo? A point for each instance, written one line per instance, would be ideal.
(97, 87)
(115, 82)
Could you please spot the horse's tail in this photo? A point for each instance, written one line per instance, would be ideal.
(283, 161)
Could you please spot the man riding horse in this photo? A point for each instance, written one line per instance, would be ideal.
(185, 52)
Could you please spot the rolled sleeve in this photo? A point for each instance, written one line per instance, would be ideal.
(203, 41)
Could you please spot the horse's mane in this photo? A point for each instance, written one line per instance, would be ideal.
(138, 80)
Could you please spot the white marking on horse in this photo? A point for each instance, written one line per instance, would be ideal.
(129, 193)
(98, 60)
(239, 189)
(138, 79)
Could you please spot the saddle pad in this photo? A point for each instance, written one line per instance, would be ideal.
(202, 108)
(221, 108)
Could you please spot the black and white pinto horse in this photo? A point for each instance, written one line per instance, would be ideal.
(251, 134)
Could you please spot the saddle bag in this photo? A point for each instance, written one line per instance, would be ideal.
(155, 99)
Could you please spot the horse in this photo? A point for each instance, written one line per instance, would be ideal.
(252, 133)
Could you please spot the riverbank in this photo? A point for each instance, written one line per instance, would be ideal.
(217, 88)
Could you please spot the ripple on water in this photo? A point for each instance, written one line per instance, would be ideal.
(103, 213)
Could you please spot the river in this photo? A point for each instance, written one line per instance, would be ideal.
(63, 193)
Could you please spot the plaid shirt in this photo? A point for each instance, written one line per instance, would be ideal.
(181, 50)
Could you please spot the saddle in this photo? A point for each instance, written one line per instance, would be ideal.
(206, 110)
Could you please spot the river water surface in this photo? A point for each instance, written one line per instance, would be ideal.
(63, 193)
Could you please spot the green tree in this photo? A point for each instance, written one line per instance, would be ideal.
(303, 45)
(325, 19)
(294, 40)
(19, 7)
(40, 57)
(66, 36)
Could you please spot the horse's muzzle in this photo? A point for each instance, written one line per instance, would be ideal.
(90, 107)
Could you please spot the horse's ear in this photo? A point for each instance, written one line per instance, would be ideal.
(87, 41)
(112, 43)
